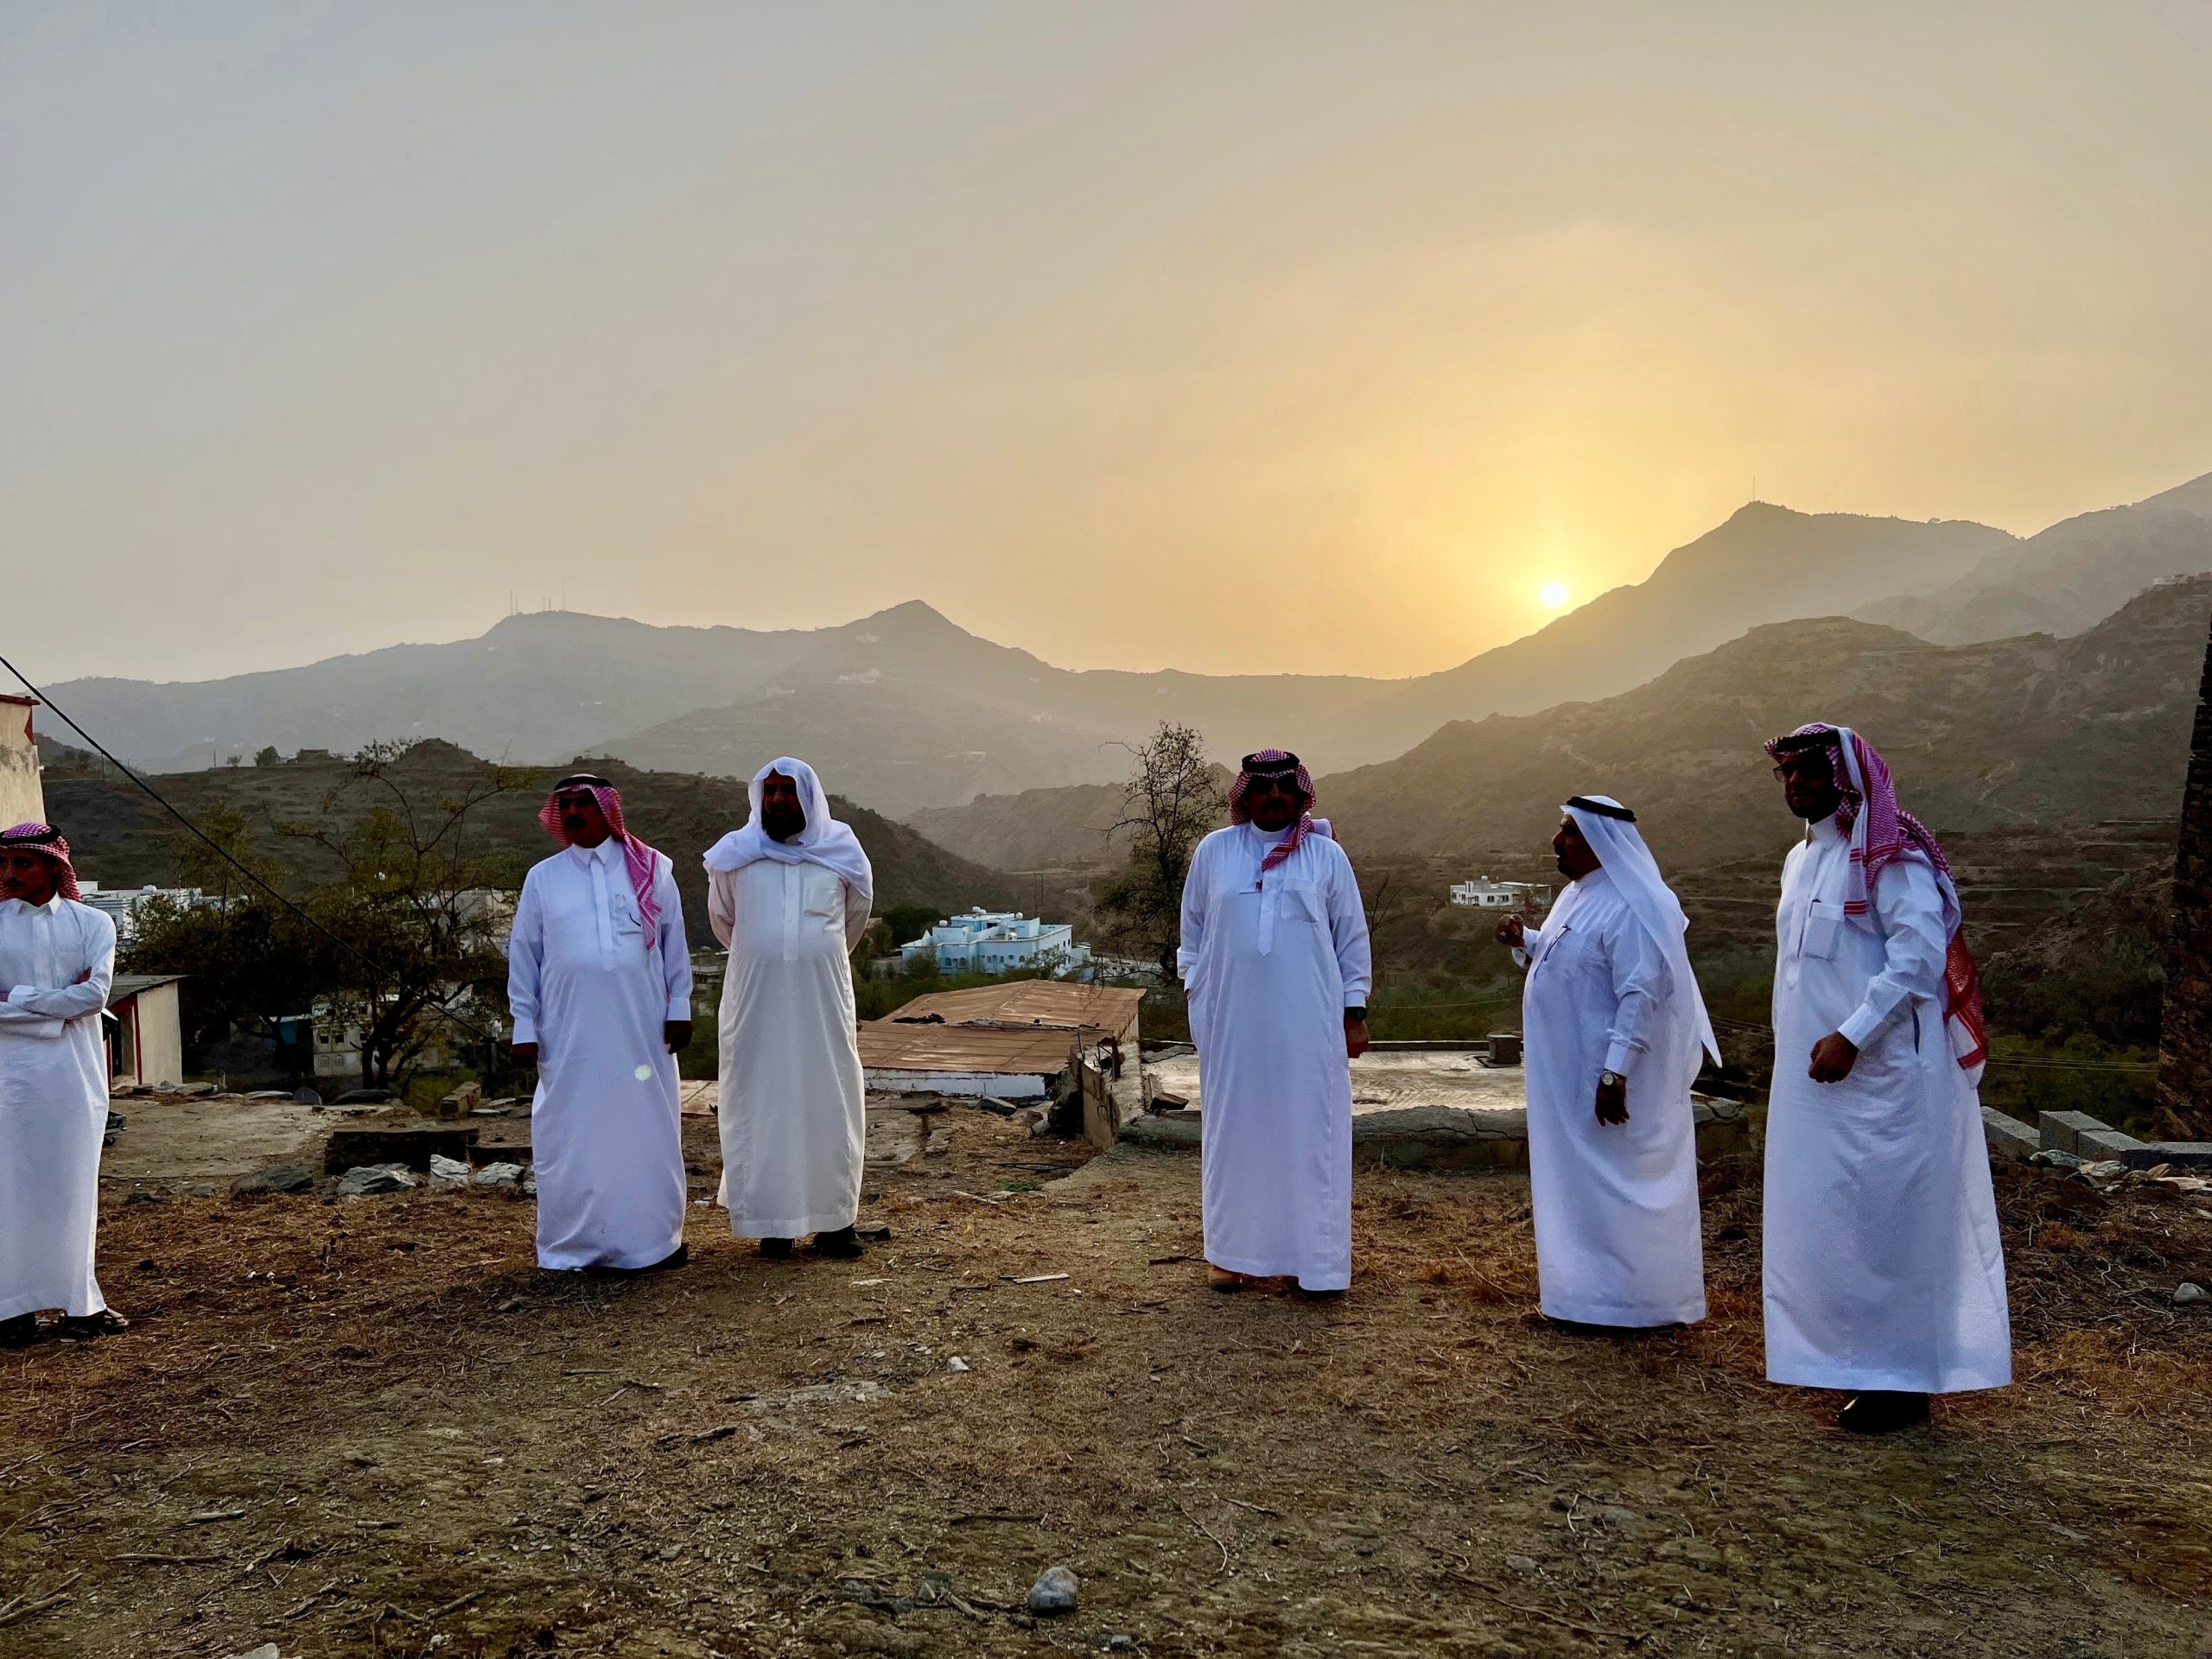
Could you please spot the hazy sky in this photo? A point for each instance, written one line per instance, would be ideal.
(1222, 336)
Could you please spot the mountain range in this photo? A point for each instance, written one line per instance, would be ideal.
(2019, 731)
(904, 711)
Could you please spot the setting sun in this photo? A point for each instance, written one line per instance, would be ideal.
(1554, 595)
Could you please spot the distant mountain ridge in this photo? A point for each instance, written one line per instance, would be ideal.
(2024, 730)
(905, 711)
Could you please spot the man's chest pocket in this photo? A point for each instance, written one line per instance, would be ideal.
(821, 897)
(1298, 900)
(1823, 930)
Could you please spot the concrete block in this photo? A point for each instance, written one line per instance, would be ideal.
(2061, 1131)
(2097, 1145)
(2008, 1137)
(2182, 1154)
(409, 1144)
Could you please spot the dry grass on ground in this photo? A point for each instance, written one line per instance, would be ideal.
(374, 1428)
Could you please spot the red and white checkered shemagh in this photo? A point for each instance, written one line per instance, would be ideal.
(641, 861)
(1275, 763)
(45, 839)
(1880, 831)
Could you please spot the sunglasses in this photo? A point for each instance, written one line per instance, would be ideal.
(574, 800)
(1813, 771)
(1281, 785)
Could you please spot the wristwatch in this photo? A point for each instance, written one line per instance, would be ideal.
(1611, 1079)
(1358, 1013)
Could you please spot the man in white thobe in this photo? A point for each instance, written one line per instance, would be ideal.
(1885, 1270)
(599, 985)
(57, 958)
(1275, 959)
(789, 894)
(1613, 1031)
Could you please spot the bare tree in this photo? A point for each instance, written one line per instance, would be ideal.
(1174, 797)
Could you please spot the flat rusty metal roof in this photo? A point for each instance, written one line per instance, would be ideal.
(1036, 1050)
(1035, 1002)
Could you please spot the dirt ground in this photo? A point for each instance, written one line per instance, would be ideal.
(374, 1427)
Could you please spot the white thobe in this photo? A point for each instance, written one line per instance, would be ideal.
(1884, 1266)
(594, 993)
(1270, 964)
(1615, 1203)
(793, 1105)
(56, 962)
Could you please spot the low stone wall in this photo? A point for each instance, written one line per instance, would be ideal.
(1451, 1138)
(2080, 1136)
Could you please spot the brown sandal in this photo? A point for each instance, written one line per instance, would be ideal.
(105, 1323)
(1223, 1279)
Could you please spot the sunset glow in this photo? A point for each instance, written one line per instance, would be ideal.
(1554, 595)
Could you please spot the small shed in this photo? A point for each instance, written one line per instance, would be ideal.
(22, 799)
(145, 1031)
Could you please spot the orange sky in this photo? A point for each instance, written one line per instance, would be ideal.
(1224, 337)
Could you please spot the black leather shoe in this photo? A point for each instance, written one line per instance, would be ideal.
(843, 1243)
(1880, 1411)
(775, 1248)
(20, 1331)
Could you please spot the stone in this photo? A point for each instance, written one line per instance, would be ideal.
(2008, 1137)
(956, 1365)
(409, 1142)
(2106, 1145)
(447, 1172)
(269, 1093)
(499, 1175)
(366, 1179)
(2061, 1131)
(194, 1090)
(2188, 1295)
(530, 1180)
(2052, 1159)
(1054, 1592)
(277, 1178)
(1116, 1642)
(266, 1651)
(458, 1102)
(307, 1097)
(141, 1196)
(200, 1190)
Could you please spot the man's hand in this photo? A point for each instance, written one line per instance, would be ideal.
(1612, 1100)
(678, 1034)
(1354, 1038)
(1832, 1058)
(1513, 931)
(525, 1054)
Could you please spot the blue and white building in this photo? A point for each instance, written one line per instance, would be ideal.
(996, 941)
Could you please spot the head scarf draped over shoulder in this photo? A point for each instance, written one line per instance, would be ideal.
(639, 861)
(1610, 828)
(48, 843)
(1277, 763)
(825, 840)
(1881, 832)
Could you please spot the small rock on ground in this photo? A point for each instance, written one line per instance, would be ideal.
(447, 1172)
(277, 1178)
(364, 1179)
(2186, 1293)
(499, 1175)
(1054, 1592)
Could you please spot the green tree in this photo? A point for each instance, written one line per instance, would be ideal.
(1174, 797)
(422, 904)
(267, 756)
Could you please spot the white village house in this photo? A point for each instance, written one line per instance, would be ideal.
(1482, 894)
(997, 942)
(22, 799)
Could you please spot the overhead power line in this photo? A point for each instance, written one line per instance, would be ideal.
(224, 853)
